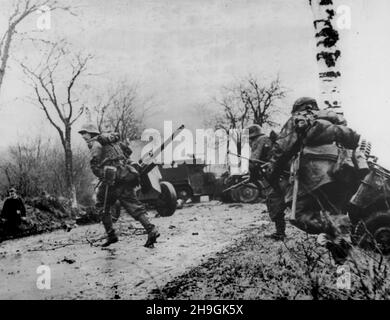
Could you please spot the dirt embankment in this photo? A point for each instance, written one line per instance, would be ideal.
(45, 214)
(255, 267)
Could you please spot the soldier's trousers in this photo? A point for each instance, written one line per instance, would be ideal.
(323, 211)
(128, 200)
(276, 209)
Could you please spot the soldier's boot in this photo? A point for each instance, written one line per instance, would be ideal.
(111, 235)
(111, 238)
(151, 229)
(339, 249)
(279, 234)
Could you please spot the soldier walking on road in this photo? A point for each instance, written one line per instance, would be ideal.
(106, 153)
(260, 150)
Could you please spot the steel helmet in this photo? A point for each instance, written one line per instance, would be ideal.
(304, 103)
(254, 131)
(90, 128)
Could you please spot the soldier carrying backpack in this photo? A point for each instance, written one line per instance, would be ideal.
(118, 181)
(319, 145)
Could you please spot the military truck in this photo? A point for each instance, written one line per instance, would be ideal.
(190, 179)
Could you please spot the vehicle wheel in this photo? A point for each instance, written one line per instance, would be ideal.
(248, 193)
(167, 201)
(378, 226)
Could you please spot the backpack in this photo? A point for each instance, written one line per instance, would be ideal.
(113, 149)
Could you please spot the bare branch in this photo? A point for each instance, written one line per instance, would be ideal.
(19, 14)
(45, 109)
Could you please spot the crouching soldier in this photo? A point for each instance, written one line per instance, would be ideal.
(318, 144)
(107, 157)
(260, 145)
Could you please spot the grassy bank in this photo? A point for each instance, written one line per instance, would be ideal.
(258, 268)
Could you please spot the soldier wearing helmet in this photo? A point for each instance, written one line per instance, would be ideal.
(305, 104)
(259, 142)
(317, 138)
(260, 147)
(106, 150)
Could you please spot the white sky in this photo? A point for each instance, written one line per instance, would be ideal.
(183, 51)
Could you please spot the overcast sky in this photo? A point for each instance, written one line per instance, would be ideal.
(182, 52)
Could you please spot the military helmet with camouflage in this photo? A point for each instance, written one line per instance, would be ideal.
(254, 131)
(89, 128)
(304, 103)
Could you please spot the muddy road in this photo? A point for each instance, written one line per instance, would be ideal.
(80, 269)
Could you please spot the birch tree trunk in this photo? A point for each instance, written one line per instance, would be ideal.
(327, 54)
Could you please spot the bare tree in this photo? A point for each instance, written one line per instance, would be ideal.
(239, 105)
(235, 114)
(22, 167)
(21, 10)
(327, 52)
(35, 164)
(260, 100)
(56, 97)
(247, 102)
(122, 111)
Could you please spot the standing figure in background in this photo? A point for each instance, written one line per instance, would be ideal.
(14, 212)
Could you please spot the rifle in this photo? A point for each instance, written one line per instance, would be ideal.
(250, 160)
(239, 184)
(109, 180)
(294, 175)
(263, 164)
